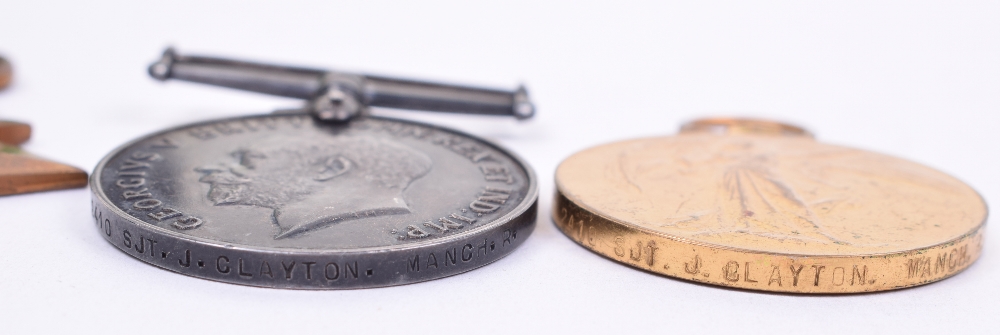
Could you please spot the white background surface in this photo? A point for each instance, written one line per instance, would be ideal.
(913, 79)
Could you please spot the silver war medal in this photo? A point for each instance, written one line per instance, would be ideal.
(326, 197)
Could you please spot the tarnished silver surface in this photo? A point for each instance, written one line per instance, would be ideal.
(338, 96)
(284, 201)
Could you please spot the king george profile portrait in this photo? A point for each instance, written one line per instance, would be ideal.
(319, 183)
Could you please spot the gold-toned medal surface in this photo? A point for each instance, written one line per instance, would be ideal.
(763, 206)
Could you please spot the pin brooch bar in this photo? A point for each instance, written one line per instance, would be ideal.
(337, 96)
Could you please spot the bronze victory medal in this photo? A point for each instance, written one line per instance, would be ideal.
(763, 206)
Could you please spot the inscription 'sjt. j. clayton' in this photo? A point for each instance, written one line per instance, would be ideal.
(312, 184)
(763, 195)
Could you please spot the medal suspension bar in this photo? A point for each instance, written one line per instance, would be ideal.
(338, 96)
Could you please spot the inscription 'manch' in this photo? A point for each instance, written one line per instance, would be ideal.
(466, 253)
(945, 262)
